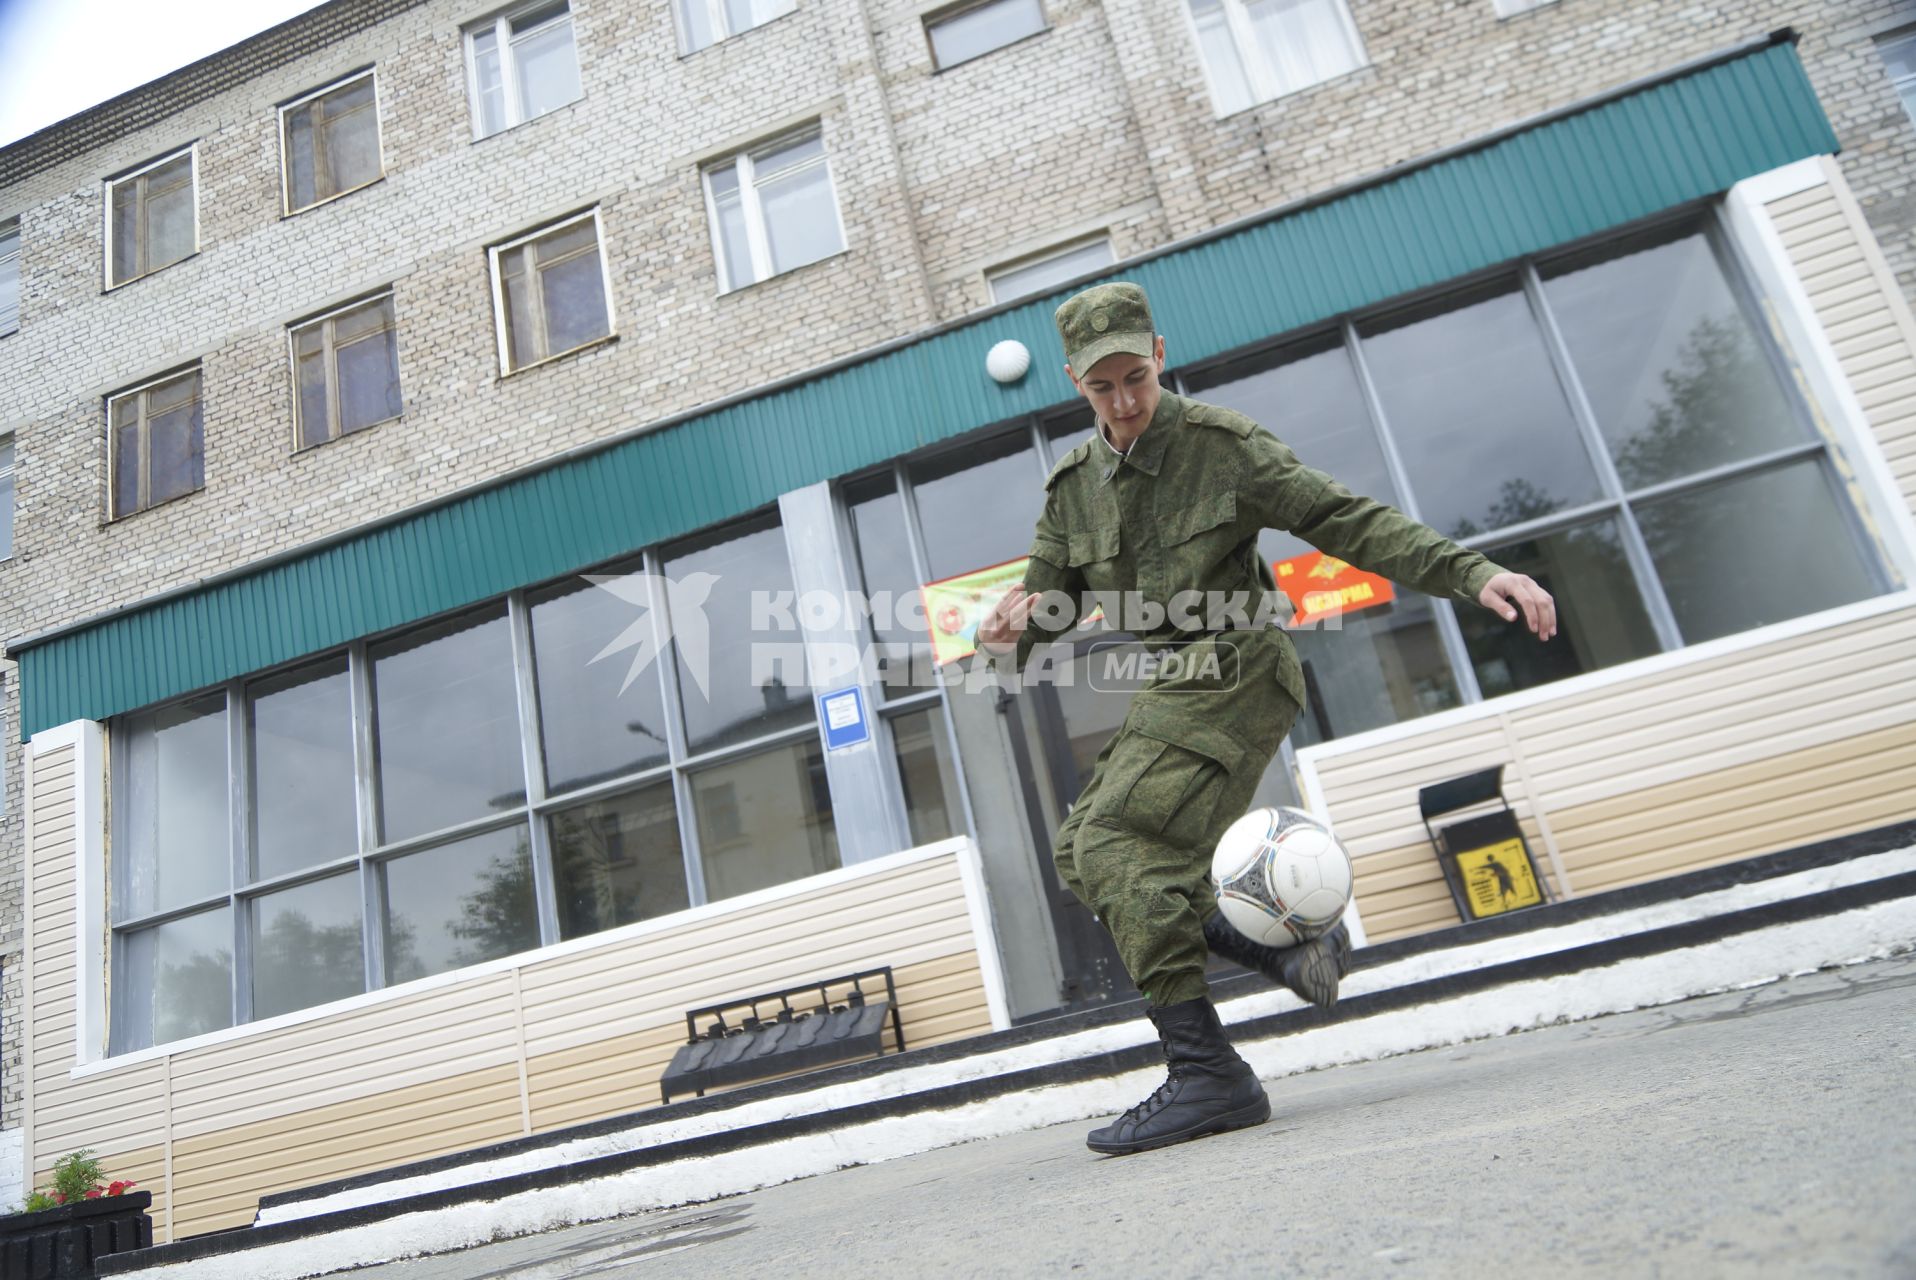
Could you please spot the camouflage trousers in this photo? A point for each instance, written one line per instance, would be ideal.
(1136, 847)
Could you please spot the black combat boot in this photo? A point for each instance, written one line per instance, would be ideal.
(1311, 969)
(1209, 1089)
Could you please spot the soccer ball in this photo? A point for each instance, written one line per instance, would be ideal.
(1282, 877)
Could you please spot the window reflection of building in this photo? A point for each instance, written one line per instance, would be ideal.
(1610, 422)
(459, 827)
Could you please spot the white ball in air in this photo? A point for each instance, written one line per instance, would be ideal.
(1007, 361)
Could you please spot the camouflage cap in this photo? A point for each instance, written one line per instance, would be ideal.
(1104, 320)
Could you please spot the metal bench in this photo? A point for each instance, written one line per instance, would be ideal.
(791, 1040)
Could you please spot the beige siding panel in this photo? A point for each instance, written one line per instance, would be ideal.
(1828, 258)
(438, 1071)
(143, 1165)
(1871, 356)
(902, 918)
(1666, 727)
(333, 1060)
(1742, 754)
(219, 1177)
(1808, 198)
(1828, 251)
(1848, 785)
(1777, 723)
(938, 1000)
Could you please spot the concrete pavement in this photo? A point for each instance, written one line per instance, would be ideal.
(1766, 1132)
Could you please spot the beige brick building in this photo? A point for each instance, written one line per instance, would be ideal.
(1107, 128)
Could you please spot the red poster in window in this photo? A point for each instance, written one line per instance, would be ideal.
(1322, 586)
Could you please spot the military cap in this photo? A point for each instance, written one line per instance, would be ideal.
(1104, 320)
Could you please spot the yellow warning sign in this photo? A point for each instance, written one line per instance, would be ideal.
(1497, 879)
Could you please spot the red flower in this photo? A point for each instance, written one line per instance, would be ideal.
(118, 1186)
(93, 1194)
(59, 1197)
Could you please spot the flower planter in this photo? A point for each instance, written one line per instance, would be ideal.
(64, 1243)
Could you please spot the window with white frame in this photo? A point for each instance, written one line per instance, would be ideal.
(9, 276)
(705, 22)
(1034, 276)
(345, 371)
(154, 448)
(1899, 57)
(772, 210)
(6, 498)
(329, 142)
(521, 64)
(152, 217)
(973, 30)
(551, 291)
(1256, 50)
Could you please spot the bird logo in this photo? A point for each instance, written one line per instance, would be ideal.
(671, 607)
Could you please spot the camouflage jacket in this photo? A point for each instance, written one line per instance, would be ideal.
(1181, 512)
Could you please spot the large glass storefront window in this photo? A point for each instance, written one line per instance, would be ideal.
(528, 771)
(1380, 664)
(1611, 422)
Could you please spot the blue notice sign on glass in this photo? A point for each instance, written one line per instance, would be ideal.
(844, 716)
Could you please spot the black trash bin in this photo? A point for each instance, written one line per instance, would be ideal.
(1485, 859)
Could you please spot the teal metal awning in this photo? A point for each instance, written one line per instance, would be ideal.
(1688, 135)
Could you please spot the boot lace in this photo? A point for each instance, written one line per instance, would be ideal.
(1160, 1098)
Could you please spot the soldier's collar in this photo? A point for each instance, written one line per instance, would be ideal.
(1147, 451)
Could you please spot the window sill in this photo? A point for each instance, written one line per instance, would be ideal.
(345, 435)
(544, 361)
(1525, 12)
(115, 288)
(113, 520)
(1357, 70)
(693, 53)
(517, 125)
(782, 275)
(1040, 33)
(337, 195)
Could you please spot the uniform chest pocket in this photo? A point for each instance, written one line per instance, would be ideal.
(1197, 517)
(1088, 546)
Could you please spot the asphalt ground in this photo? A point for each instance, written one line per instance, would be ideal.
(1767, 1132)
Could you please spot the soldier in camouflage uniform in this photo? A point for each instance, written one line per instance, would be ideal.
(1157, 517)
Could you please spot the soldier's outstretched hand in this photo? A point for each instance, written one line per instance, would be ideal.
(1508, 593)
(998, 630)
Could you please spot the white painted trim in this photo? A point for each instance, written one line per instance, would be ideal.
(1838, 413)
(1778, 184)
(1623, 673)
(984, 932)
(954, 846)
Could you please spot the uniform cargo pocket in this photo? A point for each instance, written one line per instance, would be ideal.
(1161, 789)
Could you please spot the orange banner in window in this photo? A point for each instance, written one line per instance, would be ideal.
(954, 607)
(1322, 586)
